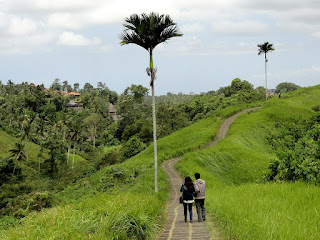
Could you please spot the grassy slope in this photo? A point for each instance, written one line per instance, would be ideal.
(32, 179)
(124, 191)
(7, 142)
(245, 208)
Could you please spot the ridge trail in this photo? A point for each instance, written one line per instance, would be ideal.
(175, 227)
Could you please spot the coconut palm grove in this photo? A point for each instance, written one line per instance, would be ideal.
(86, 162)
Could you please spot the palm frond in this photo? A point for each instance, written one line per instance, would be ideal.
(148, 30)
(18, 151)
(265, 48)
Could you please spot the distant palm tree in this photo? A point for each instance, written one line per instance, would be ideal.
(265, 48)
(40, 155)
(75, 134)
(26, 136)
(18, 154)
(148, 31)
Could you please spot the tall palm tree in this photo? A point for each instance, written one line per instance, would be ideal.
(265, 48)
(18, 154)
(148, 31)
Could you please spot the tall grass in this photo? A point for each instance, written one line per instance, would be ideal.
(268, 211)
(244, 206)
(105, 216)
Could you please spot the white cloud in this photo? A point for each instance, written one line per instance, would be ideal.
(243, 28)
(48, 6)
(65, 20)
(300, 27)
(187, 45)
(203, 4)
(21, 26)
(26, 44)
(289, 15)
(16, 26)
(23, 35)
(192, 28)
(231, 18)
(303, 15)
(72, 39)
(276, 5)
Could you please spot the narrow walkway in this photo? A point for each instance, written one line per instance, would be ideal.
(176, 228)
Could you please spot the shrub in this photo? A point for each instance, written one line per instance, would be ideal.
(316, 108)
(132, 147)
(6, 169)
(297, 149)
(24, 204)
(116, 176)
(110, 158)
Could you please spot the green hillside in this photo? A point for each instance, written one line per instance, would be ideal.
(31, 190)
(237, 197)
(97, 202)
(7, 142)
(119, 201)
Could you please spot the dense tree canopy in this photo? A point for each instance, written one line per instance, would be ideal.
(286, 87)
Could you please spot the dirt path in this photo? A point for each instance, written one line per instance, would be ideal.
(175, 227)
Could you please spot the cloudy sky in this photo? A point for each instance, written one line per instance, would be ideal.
(78, 41)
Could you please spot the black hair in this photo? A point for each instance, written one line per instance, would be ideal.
(187, 179)
(197, 175)
(189, 184)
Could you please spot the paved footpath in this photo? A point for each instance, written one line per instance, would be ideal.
(176, 228)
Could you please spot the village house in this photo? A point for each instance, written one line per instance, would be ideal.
(113, 112)
(74, 105)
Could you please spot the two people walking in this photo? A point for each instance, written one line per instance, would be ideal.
(191, 190)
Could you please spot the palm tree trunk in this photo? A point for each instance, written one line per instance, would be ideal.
(154, 141)
(154, 124)
(74, 150)
(39, 163)
(265, 73)
(14, 169)
(68, 154)
(27, 151)
(64, 135)
(10, 121)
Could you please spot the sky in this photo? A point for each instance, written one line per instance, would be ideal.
(78, 41)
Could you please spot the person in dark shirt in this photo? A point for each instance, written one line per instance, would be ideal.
(188, 192)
